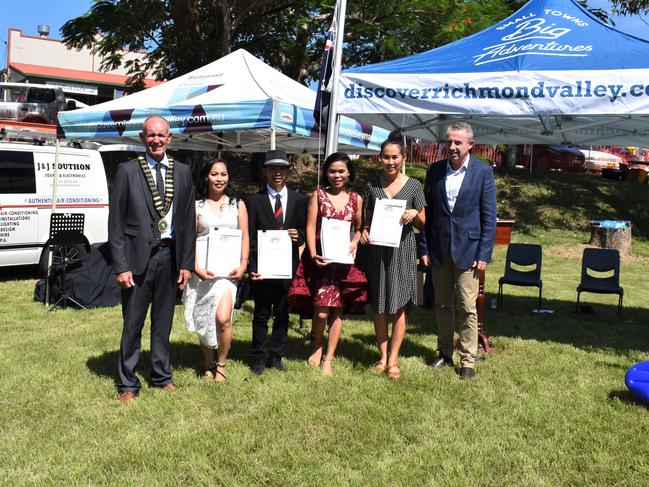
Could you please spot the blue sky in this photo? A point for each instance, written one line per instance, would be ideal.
(27, 14)
(634, 25)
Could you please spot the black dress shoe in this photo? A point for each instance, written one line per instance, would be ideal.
(441, 362)
(467, 373)
(258, 367)
(277, 364)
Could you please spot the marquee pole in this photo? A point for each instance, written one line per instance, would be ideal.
(333, 121)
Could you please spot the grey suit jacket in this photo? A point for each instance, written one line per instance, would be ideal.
(132, 219)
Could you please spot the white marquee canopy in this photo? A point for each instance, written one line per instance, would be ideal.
(234, 103)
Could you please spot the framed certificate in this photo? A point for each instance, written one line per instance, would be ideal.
(224, 251)
(386, 222)
(335, 240)
(220, 251)
(274, 254)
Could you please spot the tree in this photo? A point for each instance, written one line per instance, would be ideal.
(177, 36)
(181, 35)
(597, 12)
(379, 31)
(375, 31)
(630, 7)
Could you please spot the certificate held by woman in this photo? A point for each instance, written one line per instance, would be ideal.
(335, 238)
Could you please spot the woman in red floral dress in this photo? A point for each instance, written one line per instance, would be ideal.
(327, 290)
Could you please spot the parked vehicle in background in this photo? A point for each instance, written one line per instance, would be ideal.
(33, 103)
(596, 161)
(26, 187)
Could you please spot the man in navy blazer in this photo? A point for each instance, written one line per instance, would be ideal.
(460, 231)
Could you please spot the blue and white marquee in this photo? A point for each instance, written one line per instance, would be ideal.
(234, 103)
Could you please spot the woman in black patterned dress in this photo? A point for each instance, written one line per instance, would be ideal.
(392, 272)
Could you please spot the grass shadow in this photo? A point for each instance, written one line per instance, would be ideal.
(186, 355)
(361, 348)
(601, 329)
(183, 355)
(626, 397)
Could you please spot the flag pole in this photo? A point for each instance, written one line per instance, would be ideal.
(333, 121)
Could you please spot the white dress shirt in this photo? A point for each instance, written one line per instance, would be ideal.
(165, 165)
(283, 196)
(454, 181)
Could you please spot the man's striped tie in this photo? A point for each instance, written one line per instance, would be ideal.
(279, 212)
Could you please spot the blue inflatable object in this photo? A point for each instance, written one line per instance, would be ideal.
(637, 380)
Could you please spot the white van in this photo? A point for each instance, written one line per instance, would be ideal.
(26, 184)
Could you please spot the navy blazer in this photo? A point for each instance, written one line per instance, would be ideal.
(470, 230)
(132, 219)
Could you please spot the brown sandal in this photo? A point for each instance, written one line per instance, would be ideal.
(379, 367)
(218, 375)
(210, 370)
(394, 372)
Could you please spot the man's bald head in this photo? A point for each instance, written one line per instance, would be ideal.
(155, 136)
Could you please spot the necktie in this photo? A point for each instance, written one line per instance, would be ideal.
(159, 182)
(279, 213)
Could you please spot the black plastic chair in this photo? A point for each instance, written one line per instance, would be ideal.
(601, 260)
(524, 255)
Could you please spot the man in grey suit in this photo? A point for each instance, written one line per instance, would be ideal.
(460, 231)
(152, 234)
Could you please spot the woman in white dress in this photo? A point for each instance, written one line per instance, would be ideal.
(209, 300)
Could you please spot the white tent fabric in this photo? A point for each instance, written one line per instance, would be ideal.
(551, 73)
(234, 103)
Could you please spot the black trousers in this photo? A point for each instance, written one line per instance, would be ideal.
(270, 300)
(156, 286)
(429, 291)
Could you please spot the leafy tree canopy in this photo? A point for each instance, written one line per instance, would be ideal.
(629, 7)
(181, 35)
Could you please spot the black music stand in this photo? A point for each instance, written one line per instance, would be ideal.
(65, 229)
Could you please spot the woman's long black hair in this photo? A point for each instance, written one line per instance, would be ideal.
(202, 191)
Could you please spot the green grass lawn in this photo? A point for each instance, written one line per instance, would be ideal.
(549, 409)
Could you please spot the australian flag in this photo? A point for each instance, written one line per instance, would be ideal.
(323, 97)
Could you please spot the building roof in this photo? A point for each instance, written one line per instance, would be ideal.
(75, 75)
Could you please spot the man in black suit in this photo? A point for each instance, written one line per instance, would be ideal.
(152, 234)
(274, 208)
